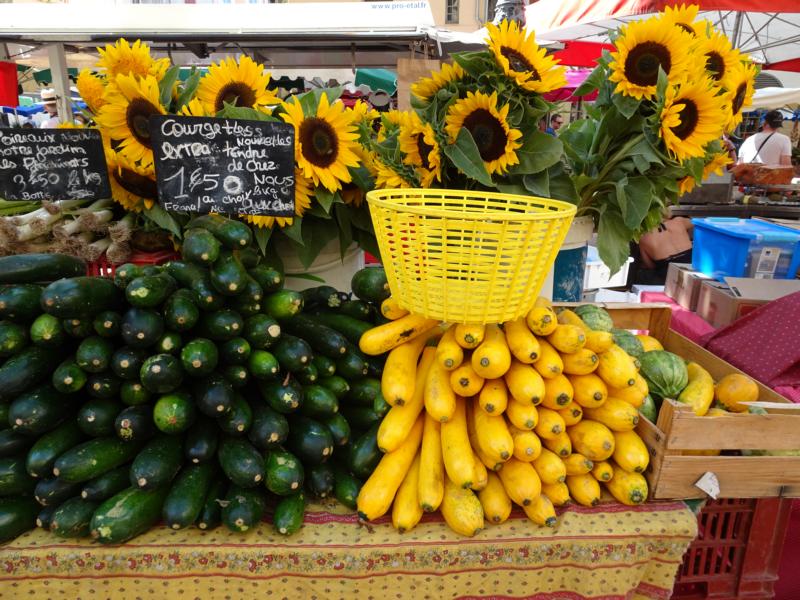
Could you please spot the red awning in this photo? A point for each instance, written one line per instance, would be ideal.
(581, 54)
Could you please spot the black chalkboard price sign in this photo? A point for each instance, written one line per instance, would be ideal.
(224, 165)
(52, 164)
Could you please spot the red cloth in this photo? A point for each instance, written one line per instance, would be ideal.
(764, 344)
(8, 84)
(684, 321)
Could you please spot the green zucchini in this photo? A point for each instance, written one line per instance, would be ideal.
(134, 423)
(161, 373)
(72, 298)
(269, 429)
(107, 323)
(126, 273)
(133, 393)
(263, 365)
(235, 351)
(322, 296)
(221, 325)
(207, 298)
(45, 517)
(320, 480)
(323, 339)
(141, 327)
(199, 357)
(352, 365)
(13, 338)
(228, 275)
(238, 420)
(94, 354)
(339, 428)
(375, 365)
(44, 452)
(250, 256)
(14, 478)
(309, 440)
(200, 443)
(72, 519)
(150, 291)
(54, 491)
(17, 515)
(68, 377)
(364, 454)
(200, 247)
(38, 410)
(243, 508)
(318, 402)
(13, 442)
(20, 302)
(169, 343)
(106, 485)
(324, 365)
(370, 285)
(289, 512)
(126, 362)
(174, 413)
(97, 416)
(282, 397)
(380, 406)
(26, 369)
(93, 458)
(357, 309)
(180, 311)
(236, 375)
(284, 472)
(78, 327)
(187, 495)
(127, 514)
(361, 417)
(346, 487)
(103, 385)
(292, 352)
(232, 234)
(261, 331)
(363, 392)
(337, 385)
(47, 331)
(351, 328)
(284, 304)
(240, 461)
(158, 462)
(268, 277)
(34, 268)
(307, 375)
(211, 513)
(213, 396)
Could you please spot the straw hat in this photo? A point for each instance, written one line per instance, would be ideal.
(48, 96)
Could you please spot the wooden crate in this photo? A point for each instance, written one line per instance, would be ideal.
(672, 472)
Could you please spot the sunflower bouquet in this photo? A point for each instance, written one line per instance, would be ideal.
(475, 124)
(666, 95)
(129, 86)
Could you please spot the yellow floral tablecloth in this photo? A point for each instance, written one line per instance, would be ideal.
(610, 552)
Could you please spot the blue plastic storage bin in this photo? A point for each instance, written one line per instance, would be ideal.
(729, 247)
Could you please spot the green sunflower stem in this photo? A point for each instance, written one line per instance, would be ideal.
(588, 192)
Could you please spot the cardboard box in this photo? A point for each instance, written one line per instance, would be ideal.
(722, 303)
(790, 223)
(683, 284)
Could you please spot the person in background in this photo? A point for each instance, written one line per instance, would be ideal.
(51, 108)
(556, 121)
(768, 147)
(729, 147)
(670, 242)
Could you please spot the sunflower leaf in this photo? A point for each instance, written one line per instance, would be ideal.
(538, 184)
(662, 83)
(316, 234)
(366, 241)
(294, 231)
(325, 198)
(471, 62)
(342, 215)
(639, 195)
(592, 82)
(231, 111)
(562, 187)
(317, 211)
(613, 240)
(538, 152)
(362, 178)
(262, 235)
(465, 155)
(163, 219)
(360, 217)
(188, 89)
(166, 85)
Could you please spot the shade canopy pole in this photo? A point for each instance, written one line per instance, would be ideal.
(60, 75)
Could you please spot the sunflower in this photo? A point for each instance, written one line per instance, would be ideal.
(740, 86)
(302, 202)
(123, 58)
(160, 68)
(720, 57)
(364, 113)
(390, 177)
(390, 124)
(692, 117)
(133, 185)
(426, 87)
(523, 60)
(193, 108)
(719, 161)
(324, 142)
(497, 142)
(642, 48)
(92, 89)
(686, 185)
(241, 84)
(126, 116)
(418, 142)
(683, 16)
(70, 125)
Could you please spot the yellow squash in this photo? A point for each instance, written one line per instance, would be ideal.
(395, 426)
(699, 392)
(628, 488)
(465, 381)
(520, 481)
(383, 338)
(558, 493)
(492, 358)
(522, 416)
(489, 463)
(391, 309)
(456, 448)
(541, 511)
(582, 362)
(567, 339)
(558, 392)
(578, 464)
(603, 471)
(550, 423)
(400, 372)
(649, 343)
(524, 383)
(469, 336)
(599, 341)
(615, 414)
(493, 397)
(630, 453)
(461, 509)
(560, 444)
(616, 368)
(406, 511)
(521, 341)
(541, 320)
(632, 394)
(549, 363)
(592, 439)
(527, 445)
(549, 467)
(735, 388)
(568, 317)
(448, 353)
(440, 399)
(584, 489)
(588, 390)
(480, 475)
(496, 503)
(431, 473)
(572, 414)
(378, 491)
(492, 435)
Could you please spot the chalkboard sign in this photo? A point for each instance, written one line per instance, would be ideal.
(224, 165)
(52, 164)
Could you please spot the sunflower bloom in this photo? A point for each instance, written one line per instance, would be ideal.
(686, 185)
(693, 116)
(92, 90)
(522, 60)
(243, 83)
(717, 164)
(642, 48)
(324, 142)
(683, 16)
(740, 86)
(127, 113)
(418, 142)
(133, 185)
(720, 58)
(497, 141)
(123, 58)
(302, 202)
(388, 177)
(427, 87)
(194, 108)
(390, 124)
(364, 113)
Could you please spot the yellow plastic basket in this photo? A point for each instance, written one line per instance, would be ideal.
(467, 257)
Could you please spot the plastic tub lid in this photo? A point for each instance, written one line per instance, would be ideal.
(749, 229)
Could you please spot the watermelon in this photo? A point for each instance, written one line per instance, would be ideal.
(628, 342)
(648, 409)
(595, 317)
(664, 372)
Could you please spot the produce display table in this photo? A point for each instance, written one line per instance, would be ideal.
(610, 552)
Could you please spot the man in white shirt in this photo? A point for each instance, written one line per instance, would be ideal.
(768, 147)
(51, 108)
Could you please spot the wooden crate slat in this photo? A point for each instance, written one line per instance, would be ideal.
(734, 432)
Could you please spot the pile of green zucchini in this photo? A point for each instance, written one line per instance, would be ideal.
(197, 392)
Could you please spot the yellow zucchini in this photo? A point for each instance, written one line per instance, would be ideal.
(578, 464)
(649, 343)
(582, 362)
(549, 363)
(391, 309)
(592, 439)
(541, 511)
(549, 467)
(558, 392)
(615, 414)
(440, 399)
(493, 397)
(568, 317)
(492, 358)
(599, 341)
(603, 471)
(520, 481)
(550, 423)
(496, 503)
(406, 511)
(383, 338)
(558, 493)
(584, 489)
(560, 444)
(628, 488)
(489, 463)
(699, 392)
(448, 353)
(461, 509)
(469, 336)
(527, 445)
(465, 381)
(632, 394)
(431, 472)
(572, 414)
(480, 475)
(541, 320)
(525, 383)
(616, 368)
(588, 390)
(522, 416)
(456, 449)
(400, 372)
(521, 341)
(630, 453)
(567, 339)
(493, 435)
